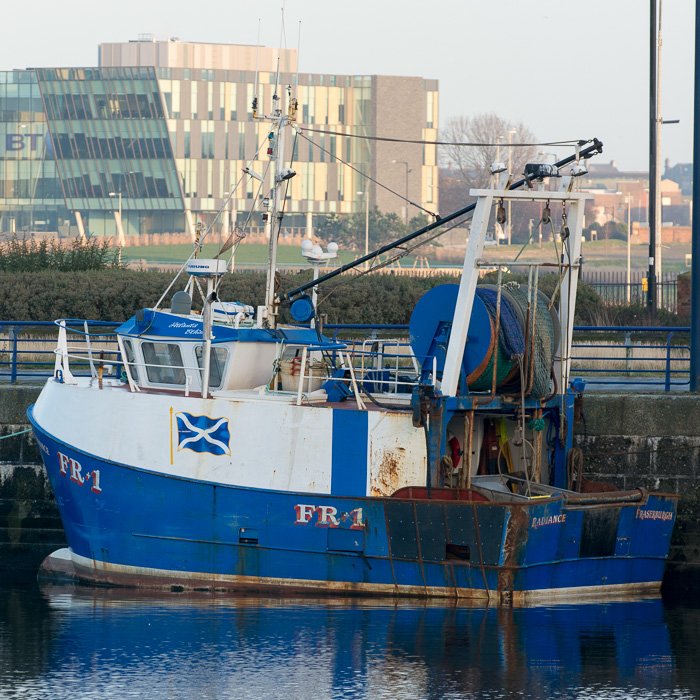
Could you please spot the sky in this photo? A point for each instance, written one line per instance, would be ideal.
(566, 69)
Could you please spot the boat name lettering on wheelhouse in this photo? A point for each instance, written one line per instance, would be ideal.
(548, 520)
(328, 516)
(72, 468)
(191, 328)
(654, 514)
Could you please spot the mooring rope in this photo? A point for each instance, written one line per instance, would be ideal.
(21, 432)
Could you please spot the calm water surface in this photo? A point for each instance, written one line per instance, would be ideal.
(76, 642)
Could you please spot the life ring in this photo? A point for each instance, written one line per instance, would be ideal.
(455, 450)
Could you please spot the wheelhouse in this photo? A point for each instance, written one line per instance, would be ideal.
(165, 351)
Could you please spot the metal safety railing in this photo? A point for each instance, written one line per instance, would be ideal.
(613, 287)
(28, 348)
(651, 357)
(654, 357)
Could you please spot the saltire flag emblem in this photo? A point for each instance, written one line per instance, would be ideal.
(203, 434)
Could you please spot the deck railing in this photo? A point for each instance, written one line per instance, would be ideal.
(654, 357)
(27, 348)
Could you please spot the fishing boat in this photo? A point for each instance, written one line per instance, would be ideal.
(232, 452)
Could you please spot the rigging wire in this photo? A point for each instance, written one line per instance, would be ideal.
(206, 233)
(564, 344)
(241, 234)
(589, 152)
(225, 246)
(404, 252)
(572, 142)
(367, 177)
(389, 261)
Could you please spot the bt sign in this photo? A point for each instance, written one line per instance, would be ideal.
(17, 142)
(31, 142)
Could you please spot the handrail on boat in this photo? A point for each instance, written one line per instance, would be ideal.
(606, 497)
(61, 322)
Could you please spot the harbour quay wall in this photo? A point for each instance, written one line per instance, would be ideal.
(650, 441)
(30, 526)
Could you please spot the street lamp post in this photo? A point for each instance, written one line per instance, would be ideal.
(408, 170)
(366, 194)
(498, 158)
(120, 229)
(510, 172)
(629, 236)
(21, 143)
(654, 158)
(230, 226)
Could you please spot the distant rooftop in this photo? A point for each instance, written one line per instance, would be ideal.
(600, 168)
(603, 170)
(173, 53)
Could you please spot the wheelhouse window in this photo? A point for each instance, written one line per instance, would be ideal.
(216, 366)
(163, 363)
(131, 359)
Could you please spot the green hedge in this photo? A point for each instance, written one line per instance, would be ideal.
(115, 294)
(34, 255)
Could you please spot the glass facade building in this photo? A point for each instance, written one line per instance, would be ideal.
(89, 141)
(154, 147)
(31, 197)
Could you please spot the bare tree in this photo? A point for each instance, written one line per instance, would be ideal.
(467, 167)
(473, 163)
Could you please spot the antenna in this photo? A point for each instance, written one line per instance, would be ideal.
(296, 91)
(293, 98)
(283, 40)
(255, 94)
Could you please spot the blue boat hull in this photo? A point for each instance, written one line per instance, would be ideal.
(126, 525)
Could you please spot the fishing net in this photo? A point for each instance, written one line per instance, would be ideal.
(511, 343)
(511, 333)
(543, 351)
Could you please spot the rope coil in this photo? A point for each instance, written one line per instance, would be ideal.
(537, 353)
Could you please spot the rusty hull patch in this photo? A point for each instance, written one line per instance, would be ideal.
(397, 454)
(387, 477)
(514, 545)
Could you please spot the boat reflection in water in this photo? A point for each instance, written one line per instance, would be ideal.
(190, 645)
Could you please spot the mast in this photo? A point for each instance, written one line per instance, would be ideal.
(276, 137)
(276, 150)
